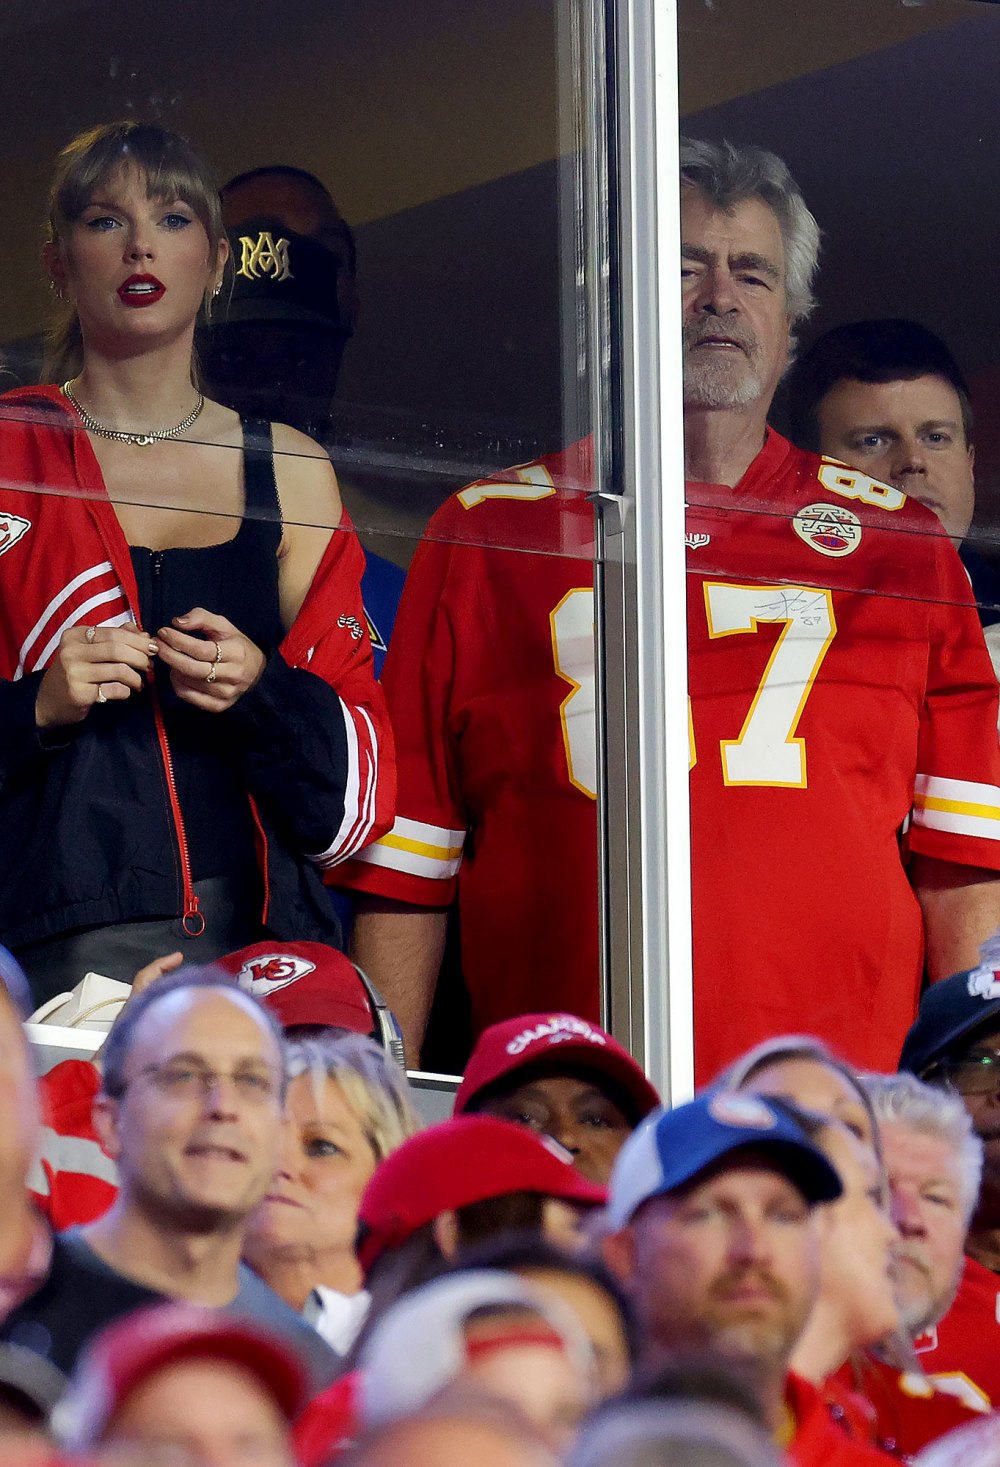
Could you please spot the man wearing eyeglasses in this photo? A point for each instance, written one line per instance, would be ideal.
(191, 1110)
(955, 1043)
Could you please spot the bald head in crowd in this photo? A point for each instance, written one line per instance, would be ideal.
(459, 1427)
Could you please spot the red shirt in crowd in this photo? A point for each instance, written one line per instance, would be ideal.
(899, 1412)
(962, 1351)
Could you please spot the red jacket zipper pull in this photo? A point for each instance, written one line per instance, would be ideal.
(192, 921)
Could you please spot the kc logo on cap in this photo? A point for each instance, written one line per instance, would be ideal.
(272, 971)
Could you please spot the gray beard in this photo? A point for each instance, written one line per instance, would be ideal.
(710, 384)
(918, 1317)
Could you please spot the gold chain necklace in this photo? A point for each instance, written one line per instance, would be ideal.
(139, 440)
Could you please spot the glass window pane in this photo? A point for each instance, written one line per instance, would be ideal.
(845, 770)
(413, 274)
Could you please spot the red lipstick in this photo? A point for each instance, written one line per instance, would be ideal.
(141, 290)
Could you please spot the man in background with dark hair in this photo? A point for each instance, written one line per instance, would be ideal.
(277, 339)
(278, 334)
(888, 397)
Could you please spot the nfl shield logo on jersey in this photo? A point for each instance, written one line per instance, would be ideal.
(829, 528)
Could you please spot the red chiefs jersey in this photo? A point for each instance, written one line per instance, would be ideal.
(490, 686)
(961, 1353)
(73, 1179)
(841, 692)
(906, 1411)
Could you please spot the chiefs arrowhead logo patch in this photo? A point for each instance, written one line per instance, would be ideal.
(266, 974)
(12, 528)
(829, 528)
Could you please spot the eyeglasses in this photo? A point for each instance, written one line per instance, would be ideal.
(257, 1083)
(973, 1074)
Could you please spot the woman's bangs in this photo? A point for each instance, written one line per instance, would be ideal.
(156, 159)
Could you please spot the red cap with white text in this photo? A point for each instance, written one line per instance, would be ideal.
(553, 1042)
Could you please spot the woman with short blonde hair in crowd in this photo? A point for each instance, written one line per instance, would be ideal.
(348, 1107)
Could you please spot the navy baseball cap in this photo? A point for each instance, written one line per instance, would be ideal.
(950, 1011)
(673, 1147)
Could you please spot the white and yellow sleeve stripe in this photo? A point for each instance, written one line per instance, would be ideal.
(417, 849)
(956, 806)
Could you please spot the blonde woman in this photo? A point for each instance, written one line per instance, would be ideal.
(348, 1108)
(191, 729)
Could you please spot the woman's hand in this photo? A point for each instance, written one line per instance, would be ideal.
(92, 665)
(211, 670)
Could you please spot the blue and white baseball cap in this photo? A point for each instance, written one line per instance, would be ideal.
(672, 1147)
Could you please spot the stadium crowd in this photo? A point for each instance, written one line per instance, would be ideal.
(227, 1240)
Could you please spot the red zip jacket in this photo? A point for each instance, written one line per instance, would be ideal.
(93, 829)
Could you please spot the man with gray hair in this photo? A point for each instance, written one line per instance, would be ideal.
(841, 691)
(934, 1162)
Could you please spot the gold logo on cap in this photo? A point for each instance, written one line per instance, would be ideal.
(264, 256)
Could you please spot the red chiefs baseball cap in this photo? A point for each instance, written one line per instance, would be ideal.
(303, 983)
(123, 1356)
(552, 1042)
(457, 1162)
